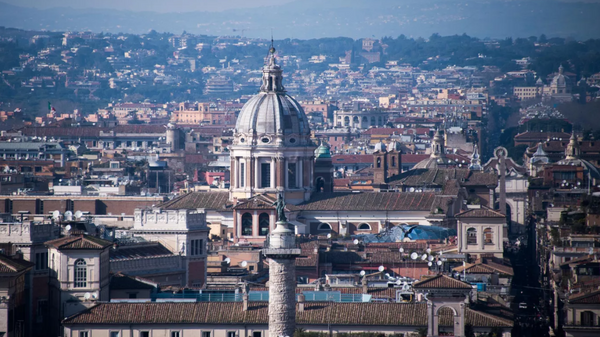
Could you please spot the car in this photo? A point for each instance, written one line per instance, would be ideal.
(522, 305)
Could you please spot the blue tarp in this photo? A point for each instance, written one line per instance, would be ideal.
(415, 232)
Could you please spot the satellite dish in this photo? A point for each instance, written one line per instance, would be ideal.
(244, 264)
(387, 275)
(355, 241)
(362, 273)
(401, 250)
(227, 260)
(68, 228)
(381, 268)
(55, 215)
(424, 257)
(69, 215)
(414, 256)
(329, 236)
(430, 258)
(429, 264)
(428, 250)
(87, 296)
(412, 189)
(439, 263)
(95, 295)
(78, 214)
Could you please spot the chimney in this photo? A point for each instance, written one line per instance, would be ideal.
(365, 285)
(235, 201)
(301, 300)
(245, 302)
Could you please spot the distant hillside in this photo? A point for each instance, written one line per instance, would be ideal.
(353, 18)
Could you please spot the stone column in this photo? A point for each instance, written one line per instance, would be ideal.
(256, 173)
(282, 297)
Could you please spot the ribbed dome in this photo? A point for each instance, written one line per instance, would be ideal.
(272, 114)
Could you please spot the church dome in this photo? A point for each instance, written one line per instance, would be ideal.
(437, 158)
(272, 117)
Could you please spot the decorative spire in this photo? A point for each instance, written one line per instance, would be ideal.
(475, 160)
(272, 74)
(572, 151)
(561, 69)
(438, 145)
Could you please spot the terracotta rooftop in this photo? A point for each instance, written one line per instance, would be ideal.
(487, 268)
(79, 242)
(586, 298)
(315, 313)
(438, 177)
(482, 212)
(391, 201)
(441, 282)
(9, 265)
(195, 200)
(139, 250)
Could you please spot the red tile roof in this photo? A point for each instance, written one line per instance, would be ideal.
(441, 282)
(9, 265)
(586, 298)
(79, 242)
(315, 313)
(352, 159)
(391, 201)
(482, 212)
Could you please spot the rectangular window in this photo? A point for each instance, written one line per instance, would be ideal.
(242, 175)
(115, 334)
(231, 334)
(292, 175)
(41, 261)
(265, 175)
(174, 333)
(145, 334)
(84, 334)
(205, 333)
(256, 333)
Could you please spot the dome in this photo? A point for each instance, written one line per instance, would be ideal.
(272, 113)
(323, 152)
(438, 158)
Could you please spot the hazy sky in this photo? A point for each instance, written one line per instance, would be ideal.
(149, 5)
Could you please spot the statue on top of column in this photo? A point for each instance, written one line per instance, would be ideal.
(280, 204)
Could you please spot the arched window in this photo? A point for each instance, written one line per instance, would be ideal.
(393, 161)
(471, 236)
(372, 120)
(247, 224)
(346, 121)
(355, 119)
(80, 274)
(325, 227)
(263, 224)
(378, 162)
(364, 227)
(320, 184)
(488, 236)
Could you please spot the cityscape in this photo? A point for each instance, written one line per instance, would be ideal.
(243, 182)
